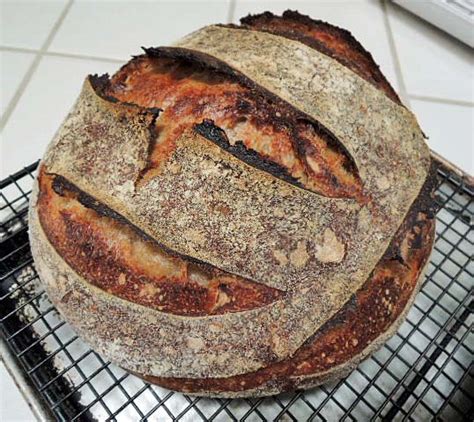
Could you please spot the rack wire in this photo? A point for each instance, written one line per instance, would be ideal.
(423, 372)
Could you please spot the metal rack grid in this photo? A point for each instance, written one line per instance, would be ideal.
(423, 372)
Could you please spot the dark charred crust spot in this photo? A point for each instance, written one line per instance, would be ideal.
(210, 131)
(426, 204)
(62, 187)
(398, 257)
(191, 57)
(101, 85)
(423, 204)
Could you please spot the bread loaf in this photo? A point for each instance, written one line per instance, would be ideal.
(244, 213)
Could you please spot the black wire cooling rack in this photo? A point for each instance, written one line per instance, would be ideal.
(423, 372)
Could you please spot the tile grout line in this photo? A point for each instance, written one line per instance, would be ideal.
(59, 54)
(31, 70)
(441, 100)
(18, 49)
(19, 91)
(231, 11)
(84, 57)
(393, 51)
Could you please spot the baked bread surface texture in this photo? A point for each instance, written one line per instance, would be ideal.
(244, 213)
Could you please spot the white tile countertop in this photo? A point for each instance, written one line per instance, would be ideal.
(48, 47)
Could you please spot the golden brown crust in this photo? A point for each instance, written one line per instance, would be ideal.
(321, 256)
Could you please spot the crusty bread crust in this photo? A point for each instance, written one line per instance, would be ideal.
(319, 251)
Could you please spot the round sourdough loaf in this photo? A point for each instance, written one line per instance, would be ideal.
(244, 213)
